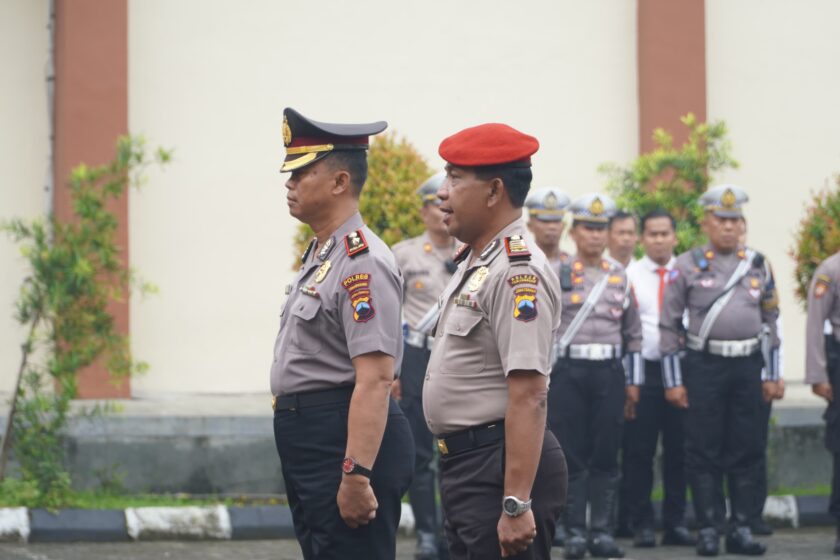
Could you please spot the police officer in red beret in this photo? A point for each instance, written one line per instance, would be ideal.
(503, 476)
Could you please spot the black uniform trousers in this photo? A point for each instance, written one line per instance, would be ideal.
(653, 416)
(472, 489)
(586, 413)
(311, 443)
(421, 493)
(723, 423)
(832, 423)
(761, 470)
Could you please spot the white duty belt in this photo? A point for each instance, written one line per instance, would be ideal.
(595, 352)
(725, 348)
(419, 339)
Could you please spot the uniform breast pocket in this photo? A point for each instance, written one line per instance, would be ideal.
(464, 343)
(305, 324)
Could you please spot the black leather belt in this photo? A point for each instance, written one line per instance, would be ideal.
(312, 398)
(458, 442)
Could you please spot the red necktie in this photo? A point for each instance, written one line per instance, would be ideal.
(661, 270)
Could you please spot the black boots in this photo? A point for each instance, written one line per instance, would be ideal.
(427, 546)
(708, 542)
(742, 496)
(705, 490)
(678, 536)
(574, 546)
(740, 541)
(603, 491)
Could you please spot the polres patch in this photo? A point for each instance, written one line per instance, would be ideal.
(525, 303)
(361, 300)
(523, 279)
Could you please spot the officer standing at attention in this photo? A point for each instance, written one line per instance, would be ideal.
(649, 276)
(344, 444)
(503, 475)
(426, 266)
(730, 294)
(546, 210)
(591, 390)
(622, 236)
(822, 363)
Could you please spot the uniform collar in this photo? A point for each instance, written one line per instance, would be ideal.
(492, 249)
(606, 264)
(353, 223)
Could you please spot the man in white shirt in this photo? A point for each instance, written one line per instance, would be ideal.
(653, 414)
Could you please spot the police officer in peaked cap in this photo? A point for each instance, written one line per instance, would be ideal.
(730, 294)
(546, 211)
(595, 380)
(345, 446)
(426, 264)
(503, 475)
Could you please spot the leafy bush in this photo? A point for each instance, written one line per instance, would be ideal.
(673, 178)
(388, 202)
(76, 269)
(817, 238)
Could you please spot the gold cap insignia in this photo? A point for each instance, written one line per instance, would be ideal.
(727, 200)
(550, 201)
(597, 207)
(287, 132)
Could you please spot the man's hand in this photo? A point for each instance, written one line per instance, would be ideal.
(356, 502)
(769, 390)
(677, 396)
(396, 390)
(780, 392)
(516, 533)
(823, 390)
(631, 399)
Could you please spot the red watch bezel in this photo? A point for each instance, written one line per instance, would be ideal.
(350, 466)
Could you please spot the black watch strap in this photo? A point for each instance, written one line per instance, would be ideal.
(350, 466)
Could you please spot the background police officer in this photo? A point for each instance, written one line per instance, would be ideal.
(426, 265)
(732, 305)
(345, 446)
(654, 415)
(546, 210)
(503, 475)
(822, 363)
(590, 388)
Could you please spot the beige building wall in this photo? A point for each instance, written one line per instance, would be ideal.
(211, 80)
(773, 77)
(24, 149)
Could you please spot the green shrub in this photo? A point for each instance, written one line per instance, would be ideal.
(388, 203)
(817, 238)
(673, 178)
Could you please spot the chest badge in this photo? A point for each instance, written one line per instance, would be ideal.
(477, 279)
(323, 270)
(427, 247)
(707, 282)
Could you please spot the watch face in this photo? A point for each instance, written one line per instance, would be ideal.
(510, 506)
(348, 465)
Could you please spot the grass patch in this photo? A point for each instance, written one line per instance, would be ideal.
(15, 493)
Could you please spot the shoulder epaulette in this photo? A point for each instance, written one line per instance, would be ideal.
(566, 276)
(700, 259)
(758, 260)
(461, 253)
(516, 249)
(309, 248)
(355, 243)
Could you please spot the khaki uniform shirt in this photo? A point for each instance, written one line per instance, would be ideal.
(754, 303)
(823, 304)
(339, 306)
(498, 314)
(424, 274)
(615, 318)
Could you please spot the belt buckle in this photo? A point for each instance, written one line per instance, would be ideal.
(442, 447)
(596, 352)
(274, 403)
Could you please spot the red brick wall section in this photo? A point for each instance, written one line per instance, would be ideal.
(91, 111)
(671, 66)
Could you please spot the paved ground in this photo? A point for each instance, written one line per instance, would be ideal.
(785, 545)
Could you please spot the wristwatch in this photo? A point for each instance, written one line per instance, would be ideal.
(515, 507)
(350, 466)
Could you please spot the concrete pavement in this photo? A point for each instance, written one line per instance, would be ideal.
(789, 544)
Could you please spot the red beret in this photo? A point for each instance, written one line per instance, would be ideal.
(488, 144)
